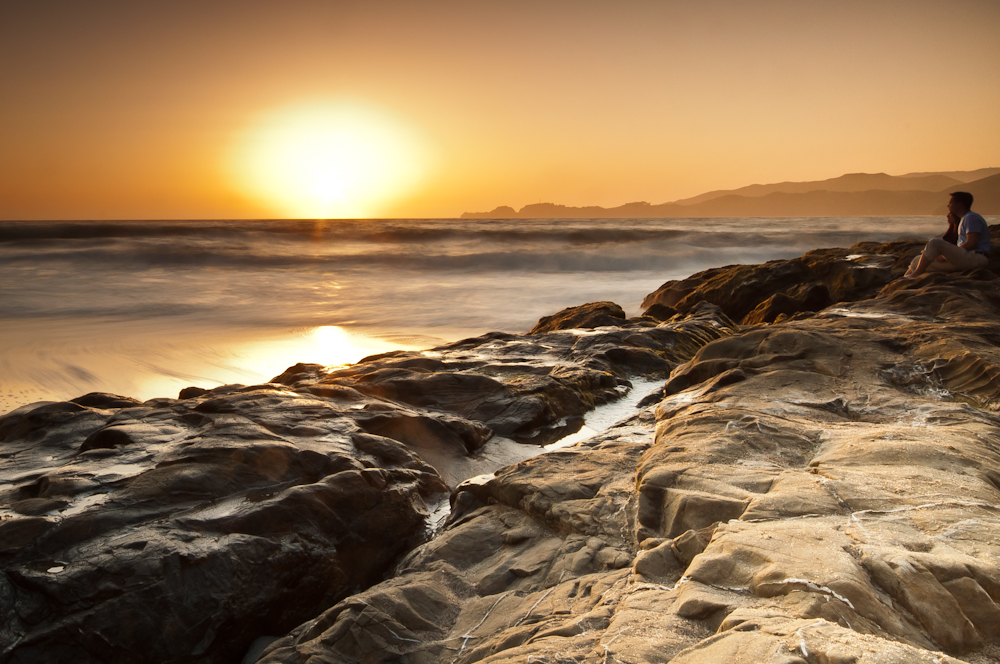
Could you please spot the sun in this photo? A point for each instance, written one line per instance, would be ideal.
(329, 160)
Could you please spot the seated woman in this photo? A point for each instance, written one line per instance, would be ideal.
(950, 236)
(972, 250)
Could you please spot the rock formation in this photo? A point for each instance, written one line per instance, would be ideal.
(820, 484)
(779, 289)
(180, 530)
(820, 490)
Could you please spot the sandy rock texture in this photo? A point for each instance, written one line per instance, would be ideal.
(181, 530)
(820, 490)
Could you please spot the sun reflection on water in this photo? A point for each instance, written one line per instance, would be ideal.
(148, 359)
(328, 345)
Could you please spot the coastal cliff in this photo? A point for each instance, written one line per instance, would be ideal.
(817, 480)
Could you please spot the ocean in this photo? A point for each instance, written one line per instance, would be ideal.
(145, 308)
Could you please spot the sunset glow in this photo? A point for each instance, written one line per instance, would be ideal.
(327, 160)
(230, 109)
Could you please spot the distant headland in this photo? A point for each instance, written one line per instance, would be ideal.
(854, 194)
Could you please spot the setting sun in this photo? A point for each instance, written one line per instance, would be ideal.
(323, 161)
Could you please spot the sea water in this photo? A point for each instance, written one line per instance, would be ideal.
(145, 308)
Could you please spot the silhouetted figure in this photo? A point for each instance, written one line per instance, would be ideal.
(951, 235)
(973, 242)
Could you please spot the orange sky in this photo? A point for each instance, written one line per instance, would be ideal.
(124, 109)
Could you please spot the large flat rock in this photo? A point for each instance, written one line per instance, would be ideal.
(820, 490)
(182, 530)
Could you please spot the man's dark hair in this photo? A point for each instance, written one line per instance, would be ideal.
(963, 197)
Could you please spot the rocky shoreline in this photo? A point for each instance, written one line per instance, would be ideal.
(818, 480)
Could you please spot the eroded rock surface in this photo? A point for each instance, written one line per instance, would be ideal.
(819, 490)
(822, 489)
(780, 289)
(180, 530)
(594, 314)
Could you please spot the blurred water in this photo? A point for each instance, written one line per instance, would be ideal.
(135, 307)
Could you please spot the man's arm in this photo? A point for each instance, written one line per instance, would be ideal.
(971, 240)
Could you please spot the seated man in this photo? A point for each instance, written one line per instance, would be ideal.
(972, 250)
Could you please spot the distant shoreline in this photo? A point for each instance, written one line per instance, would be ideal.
(852, 195)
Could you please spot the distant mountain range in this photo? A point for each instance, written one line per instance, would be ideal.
(852, 195)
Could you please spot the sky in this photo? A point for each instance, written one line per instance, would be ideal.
(326, 108)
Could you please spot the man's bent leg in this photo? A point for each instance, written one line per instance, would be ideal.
(941, 264)
(956, 257)
(960, 258)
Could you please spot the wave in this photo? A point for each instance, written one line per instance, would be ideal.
(392, 274)
(564, 232)
(544, 248)
(329, 231)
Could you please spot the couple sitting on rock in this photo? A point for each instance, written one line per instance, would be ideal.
(970, 248)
